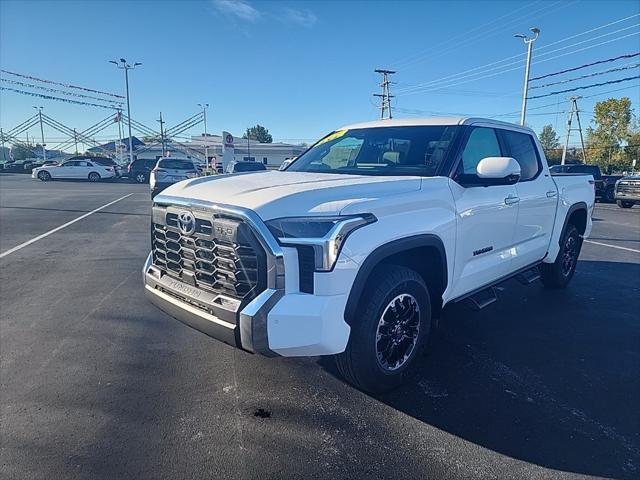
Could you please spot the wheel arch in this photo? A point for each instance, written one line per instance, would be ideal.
(577, 215)
(423, 253)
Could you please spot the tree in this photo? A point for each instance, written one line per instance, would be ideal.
(612, 128)
(258, 133)
(21, 152)
(549, 138)
(550, 143)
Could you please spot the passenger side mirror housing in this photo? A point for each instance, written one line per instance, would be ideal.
(493, 171)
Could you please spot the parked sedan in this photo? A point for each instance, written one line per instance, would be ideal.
(74, 169)
(169, 171)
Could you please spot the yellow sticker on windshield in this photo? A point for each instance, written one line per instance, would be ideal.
(333, 136)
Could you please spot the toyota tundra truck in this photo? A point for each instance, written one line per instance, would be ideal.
(355, 248)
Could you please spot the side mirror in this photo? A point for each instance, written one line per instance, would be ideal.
(493, 171)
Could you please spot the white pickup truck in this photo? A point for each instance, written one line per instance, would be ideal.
(354, 249)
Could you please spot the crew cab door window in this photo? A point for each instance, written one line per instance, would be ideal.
(482, 143)
(521, 147)
(486, 219)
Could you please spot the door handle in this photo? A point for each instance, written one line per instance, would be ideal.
(510, 200)
(552, 193)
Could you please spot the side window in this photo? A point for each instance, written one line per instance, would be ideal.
(521, 147)
(88, 164)
(482, 143)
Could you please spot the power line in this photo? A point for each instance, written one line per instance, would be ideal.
(546, 10)
(449, 77)
(432, 88)
(594, 74)
(587, 86)
(425, 54)
(435, 83)
(573, 69)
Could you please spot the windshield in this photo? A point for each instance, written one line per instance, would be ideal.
(413, 150)
(176, 164)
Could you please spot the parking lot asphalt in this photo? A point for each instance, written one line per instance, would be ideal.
(97, 383)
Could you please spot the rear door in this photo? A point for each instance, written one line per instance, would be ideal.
(537, 195)
(486, 218)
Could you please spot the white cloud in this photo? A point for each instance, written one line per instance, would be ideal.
(304, 18)
(237, 8)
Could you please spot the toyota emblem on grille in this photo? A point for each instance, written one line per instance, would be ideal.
(186, 223)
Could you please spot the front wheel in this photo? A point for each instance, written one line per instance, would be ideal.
(559, 273)
(610, 194)
(390, 331)
(94, 176)
(624, 204)
(44, 176)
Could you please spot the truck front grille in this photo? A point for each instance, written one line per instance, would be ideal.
(629, 187)
(221, 256)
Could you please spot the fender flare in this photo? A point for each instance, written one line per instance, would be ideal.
(384, 251)
(572, 209)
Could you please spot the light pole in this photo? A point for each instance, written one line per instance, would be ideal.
(44, 150)
(529, 43)
(204, 107)
(123, 65)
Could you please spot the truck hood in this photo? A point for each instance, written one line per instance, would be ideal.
(277, 194)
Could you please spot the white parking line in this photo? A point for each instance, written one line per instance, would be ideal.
(46, 234)
(613, 246)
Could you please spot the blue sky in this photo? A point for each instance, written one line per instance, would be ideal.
(304, 68)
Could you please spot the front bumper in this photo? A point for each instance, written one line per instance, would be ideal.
(627, 197)
(275, 323)
(280, 321)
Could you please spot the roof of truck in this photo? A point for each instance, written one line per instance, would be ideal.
(405, 122)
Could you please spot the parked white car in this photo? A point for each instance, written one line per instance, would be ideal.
(74, 169)
(359, 244)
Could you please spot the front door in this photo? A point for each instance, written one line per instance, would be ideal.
(486, 219)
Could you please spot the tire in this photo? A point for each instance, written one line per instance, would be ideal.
(94, 177)
(559, 273)
(624, 204)
(366, 363)
(610, 194)
(44, 176)
(140, 177)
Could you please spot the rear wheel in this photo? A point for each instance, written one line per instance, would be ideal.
(390, 331)
(44, 176)
(141, 177)
(624, 204)
(94, 176)
(559, 273)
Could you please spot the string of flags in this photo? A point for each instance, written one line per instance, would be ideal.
(66, 85)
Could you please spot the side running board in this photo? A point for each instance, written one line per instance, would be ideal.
(482, 299)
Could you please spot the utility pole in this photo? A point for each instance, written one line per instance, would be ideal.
(75, 139)
(164, 154)
(4, 154)
(204, 107)
(119, 149)
(574, 111)
(44, 150)
(248, 148)
(385, 96)
(529, 43)
(123, 65)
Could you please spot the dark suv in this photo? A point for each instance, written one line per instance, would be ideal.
(139, 170)
(246, 166)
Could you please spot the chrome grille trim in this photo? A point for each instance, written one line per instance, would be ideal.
(274, 253)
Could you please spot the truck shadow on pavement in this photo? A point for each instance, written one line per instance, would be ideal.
(546, 377)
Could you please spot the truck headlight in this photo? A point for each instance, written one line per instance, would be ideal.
(325, 234)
